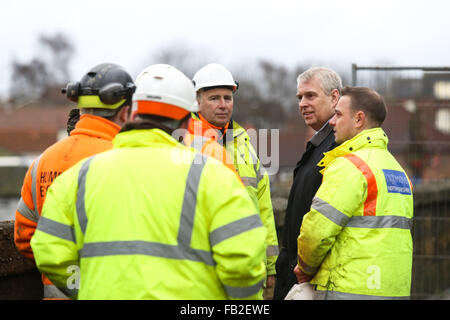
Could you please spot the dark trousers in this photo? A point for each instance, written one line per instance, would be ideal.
(285, 275)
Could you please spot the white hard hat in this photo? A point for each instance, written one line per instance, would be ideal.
(163, 90)
(213, 75)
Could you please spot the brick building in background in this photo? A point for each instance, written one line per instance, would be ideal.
(30, 130)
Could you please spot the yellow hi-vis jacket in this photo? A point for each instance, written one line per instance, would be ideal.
(257, 183)
(356, 239)
(254, 177)
(151, 219)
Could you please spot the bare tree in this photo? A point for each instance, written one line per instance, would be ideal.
(28, 81)
(267, 95)
(59, 52)
(181, 56)
(42, 77)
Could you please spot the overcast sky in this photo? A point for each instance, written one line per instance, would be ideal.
(234, 32)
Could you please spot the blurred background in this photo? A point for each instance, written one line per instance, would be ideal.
(400, 48)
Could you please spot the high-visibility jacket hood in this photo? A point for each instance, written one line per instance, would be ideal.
(94, 126)
(144, 138)
(373, 138)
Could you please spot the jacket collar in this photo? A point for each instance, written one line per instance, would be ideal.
(320, 135)
(96, 126)
(144, 138)
(371, 138)
(216, 133)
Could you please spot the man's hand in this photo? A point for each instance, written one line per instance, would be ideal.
(301, 276)
(269, 287)
(270, 283)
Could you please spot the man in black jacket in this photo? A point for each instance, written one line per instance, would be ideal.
(318, 91)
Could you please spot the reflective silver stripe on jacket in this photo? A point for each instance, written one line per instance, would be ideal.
(154, 249)
(26, 211)
(51, 291)
(242, 292)
(190, 200)
(56, 229)
(259, 172)
(336, 295)
(380, 222)
(370, 222)
(33, 185)
(22, 207)
(329, 211)
(234, 228)
(307, 268)
(250, 181)
(81, 202)
(272, 251)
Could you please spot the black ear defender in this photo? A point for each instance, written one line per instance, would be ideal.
(72, 91)
(108, 94)
(114, 92)
(110, 82)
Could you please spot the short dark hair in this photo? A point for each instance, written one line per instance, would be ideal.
(369, 101)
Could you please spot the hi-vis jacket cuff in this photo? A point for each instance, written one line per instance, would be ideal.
(242, 292)
(305, 267)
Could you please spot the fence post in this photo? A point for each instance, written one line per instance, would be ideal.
(354, 68)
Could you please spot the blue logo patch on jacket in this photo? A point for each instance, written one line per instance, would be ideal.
(397, 182)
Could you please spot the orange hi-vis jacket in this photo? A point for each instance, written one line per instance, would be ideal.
(247, 167)
(92, 135)
(197, 138)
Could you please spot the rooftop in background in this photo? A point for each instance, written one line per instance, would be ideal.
(31, 129)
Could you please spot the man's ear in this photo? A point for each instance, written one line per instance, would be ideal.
(198, 96)
(124, 114)
(360, 119)
(335, 97)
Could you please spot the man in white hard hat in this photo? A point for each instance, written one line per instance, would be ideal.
(215, 87)
(152, 218)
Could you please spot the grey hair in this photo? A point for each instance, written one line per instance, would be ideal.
(329, 79)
